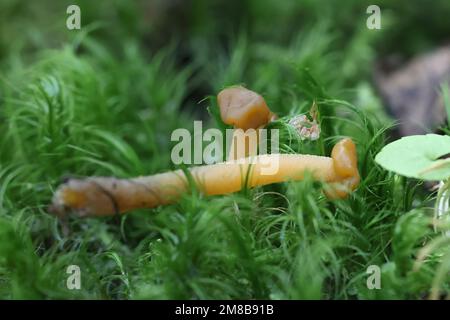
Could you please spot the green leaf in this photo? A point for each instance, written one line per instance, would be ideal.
(417, 157)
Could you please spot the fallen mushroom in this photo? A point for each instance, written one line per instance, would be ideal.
(102, 196)
(245, 110)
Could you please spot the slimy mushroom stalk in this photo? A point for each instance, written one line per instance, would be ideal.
(103, 196)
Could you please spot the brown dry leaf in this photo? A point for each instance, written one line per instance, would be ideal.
(411, 92)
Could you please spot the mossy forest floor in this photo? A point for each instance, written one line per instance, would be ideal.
(104, 100)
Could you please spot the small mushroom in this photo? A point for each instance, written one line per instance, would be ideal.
(102, 196)
(245, 110)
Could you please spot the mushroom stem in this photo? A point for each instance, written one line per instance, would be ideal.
(103, 196)
(244, 144)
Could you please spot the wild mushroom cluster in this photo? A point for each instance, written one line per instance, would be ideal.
(244, 109)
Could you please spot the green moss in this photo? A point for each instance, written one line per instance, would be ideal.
(96, 106)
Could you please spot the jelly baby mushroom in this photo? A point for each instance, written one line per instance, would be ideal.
(103, 196)
(248, 112)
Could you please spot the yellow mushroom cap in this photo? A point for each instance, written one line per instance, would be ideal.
(243, 108)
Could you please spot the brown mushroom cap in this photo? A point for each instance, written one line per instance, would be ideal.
(243, 108)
